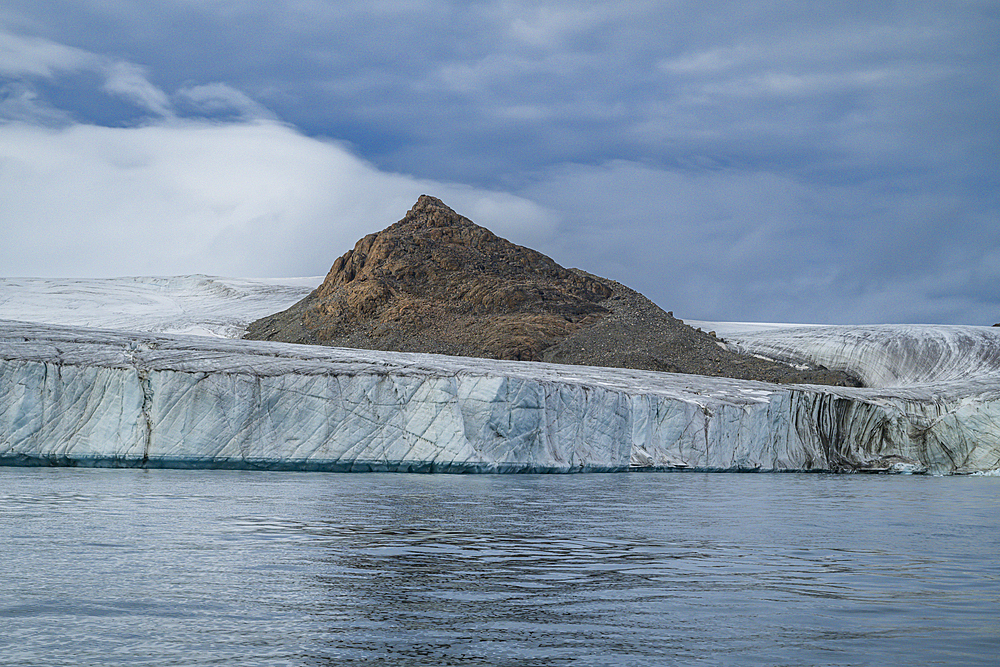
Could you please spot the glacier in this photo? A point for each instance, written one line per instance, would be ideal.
(148, 372)
(195, 304)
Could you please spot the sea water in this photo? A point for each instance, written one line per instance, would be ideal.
(163, 567)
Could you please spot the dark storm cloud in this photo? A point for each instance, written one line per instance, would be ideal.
(772, 160)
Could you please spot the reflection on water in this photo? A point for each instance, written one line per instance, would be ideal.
(215, 567)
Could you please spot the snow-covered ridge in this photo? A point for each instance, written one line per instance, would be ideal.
(73, 395)
(203, 305)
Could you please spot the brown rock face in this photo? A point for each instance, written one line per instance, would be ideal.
(437, 282)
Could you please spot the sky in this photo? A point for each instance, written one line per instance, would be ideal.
(769, 161)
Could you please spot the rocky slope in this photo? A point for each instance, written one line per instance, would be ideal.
(436, 282)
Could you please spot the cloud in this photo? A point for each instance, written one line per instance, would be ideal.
(484, 92)
(178, 197)
(20, 102)
(216, 98)
(25, 60)
(209, 182)
(832, 161)
(33, 56)
(554, 26)
(730, 244)
(129, 81)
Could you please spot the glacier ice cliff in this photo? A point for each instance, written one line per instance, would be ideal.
(71, 395)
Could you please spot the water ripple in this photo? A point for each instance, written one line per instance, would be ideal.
(200, 568)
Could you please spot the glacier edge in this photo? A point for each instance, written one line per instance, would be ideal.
(76, 396)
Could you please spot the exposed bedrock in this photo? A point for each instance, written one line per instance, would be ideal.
(436, 282)
(73, 396)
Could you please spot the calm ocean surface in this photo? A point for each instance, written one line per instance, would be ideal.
(162, 567)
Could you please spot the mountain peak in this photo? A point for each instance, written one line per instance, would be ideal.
(429, 203)
(438, 278)
(437, 282)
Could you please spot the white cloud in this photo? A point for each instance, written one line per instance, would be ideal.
(243, 199)
(26, 58)
(248, 198)
(34, 56)
(20, 102)
(218, 97)
(829, 162)
(130, 82)
(550, 26)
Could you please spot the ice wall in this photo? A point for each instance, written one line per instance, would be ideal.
(887, 355)
(76, 396)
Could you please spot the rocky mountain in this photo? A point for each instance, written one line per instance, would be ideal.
(436, 282)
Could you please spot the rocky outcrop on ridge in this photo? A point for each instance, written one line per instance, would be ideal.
(436, 282)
